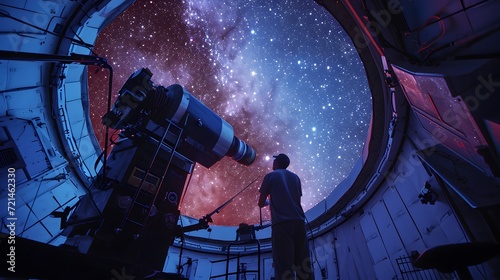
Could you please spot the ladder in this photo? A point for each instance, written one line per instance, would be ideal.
(142, 206)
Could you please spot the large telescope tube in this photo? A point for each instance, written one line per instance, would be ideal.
(206, 137)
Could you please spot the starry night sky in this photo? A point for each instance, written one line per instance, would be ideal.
(283, 73)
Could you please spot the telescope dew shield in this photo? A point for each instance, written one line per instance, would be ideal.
(241, 152)
(208, 136)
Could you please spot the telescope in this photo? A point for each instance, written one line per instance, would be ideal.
(131, 211)
(206, 136)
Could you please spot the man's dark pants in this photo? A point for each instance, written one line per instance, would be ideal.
(291, 251)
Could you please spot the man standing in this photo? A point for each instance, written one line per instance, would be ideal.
(289, 241)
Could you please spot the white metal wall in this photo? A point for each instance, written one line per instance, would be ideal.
(392, 225)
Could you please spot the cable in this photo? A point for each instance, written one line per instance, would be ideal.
(105, 152)
(110, 90)
(78, 42)
(96, 163)
(110, 87)
(88, 46)
(425, 45)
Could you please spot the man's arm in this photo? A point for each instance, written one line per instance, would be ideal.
(262, 200)
(264, 191)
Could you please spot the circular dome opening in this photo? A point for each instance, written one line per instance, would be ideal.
(285, 75)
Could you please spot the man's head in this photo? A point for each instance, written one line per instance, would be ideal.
(281, 161)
